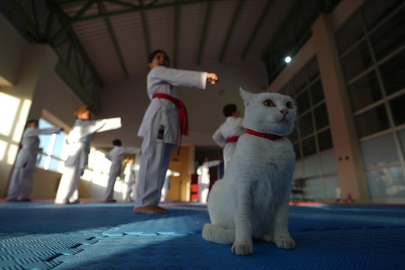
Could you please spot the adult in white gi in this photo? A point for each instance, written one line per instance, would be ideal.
(116, 155)
(204, 178)
(23, 173)
(228, 133)
(166, 184)
(79, 148)
(163, 124)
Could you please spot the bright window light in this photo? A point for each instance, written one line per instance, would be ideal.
(287, 59)
(8, 111)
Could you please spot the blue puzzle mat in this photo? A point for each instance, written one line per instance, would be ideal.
(101, 236)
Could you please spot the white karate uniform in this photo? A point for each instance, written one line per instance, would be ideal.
(204, 179)
(21, 179)
(161, 114)
(166, 185)
(129, 181)
(116, 155)
(233, 126)
(79, 148)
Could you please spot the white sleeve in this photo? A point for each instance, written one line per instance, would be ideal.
(104, 124)
(132, 150)
(240, 123)
(177, 77)
(218, 138)
(36, 132)
(108, 156)
(212, 163)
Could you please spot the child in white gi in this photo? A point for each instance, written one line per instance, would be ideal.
(79, 149)
(228, 133)
(166, 185)
(23, 173)
(129, 179)
(116, 155)
(163, 124)
(204, 178)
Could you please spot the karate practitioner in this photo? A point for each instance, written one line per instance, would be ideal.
(79, 148)
(163, 124)
(23, 173)
(129, 180)
(166, 185)
(116, 155)
(228, 133)
(204, 178)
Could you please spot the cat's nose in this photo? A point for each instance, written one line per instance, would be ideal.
(284, 111)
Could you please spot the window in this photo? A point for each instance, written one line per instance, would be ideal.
(386, 182)
(392, 73)
(321, 116)
(390, 36)
(357, 61)
(312, 138)
(364, 91)
(372, 121)
(52, 149)
(398, 110)
(350, 33)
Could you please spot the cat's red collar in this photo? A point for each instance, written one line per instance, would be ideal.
(272, 137)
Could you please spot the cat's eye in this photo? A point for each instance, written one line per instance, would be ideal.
(269, 103)
(289, 105)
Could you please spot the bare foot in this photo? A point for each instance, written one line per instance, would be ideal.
(150, 210)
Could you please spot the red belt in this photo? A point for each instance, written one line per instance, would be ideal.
(232, 139)
(183, 120)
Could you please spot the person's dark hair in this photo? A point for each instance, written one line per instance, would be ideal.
(117, 142)
(80, 110)
(202, 159)
(36, 121)
(229, 109)
(153, 54)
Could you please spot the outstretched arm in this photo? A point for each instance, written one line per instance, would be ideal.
(35, 132)
(219, 139)
(104, 125)
(212, 163)
(132, 150)
(178, 77)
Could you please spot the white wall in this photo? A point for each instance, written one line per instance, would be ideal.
(129, 100)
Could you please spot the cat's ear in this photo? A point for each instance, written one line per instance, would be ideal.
(246, 96)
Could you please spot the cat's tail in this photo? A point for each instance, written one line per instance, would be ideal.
(217, 234)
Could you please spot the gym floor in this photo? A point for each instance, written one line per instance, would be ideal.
(42, 235)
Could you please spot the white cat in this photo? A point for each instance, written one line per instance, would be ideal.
(251, 201)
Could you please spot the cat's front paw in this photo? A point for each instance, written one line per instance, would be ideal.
(285, 242)
(243, 248)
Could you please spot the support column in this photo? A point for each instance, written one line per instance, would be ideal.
(345, 141)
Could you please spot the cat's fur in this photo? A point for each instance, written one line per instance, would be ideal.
(251, 201)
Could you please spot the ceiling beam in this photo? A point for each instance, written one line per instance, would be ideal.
(175, 34)
(27, 20)
(120, 3)
(30, 24)
(256, 29)
(231, 28)
(204, 31)
(295, 9)
(144, 30)
(67, 25)
(101, 10)
(144, 8)
(62, 18)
